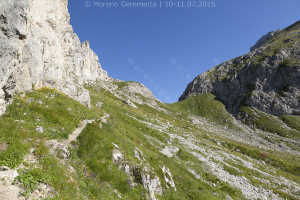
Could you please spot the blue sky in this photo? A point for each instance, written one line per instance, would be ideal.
(196, 39)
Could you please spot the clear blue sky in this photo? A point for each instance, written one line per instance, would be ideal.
(197, 38)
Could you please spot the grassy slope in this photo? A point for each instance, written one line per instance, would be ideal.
(127, 133)
(207, 106)
(95, 175)
(271, 123)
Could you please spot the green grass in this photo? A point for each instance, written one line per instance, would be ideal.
(14, 137)
(51, 172)
(58, 114)
(269, 123)
(95, 148)
(285, 195)
(123, 84)
(207, 106)
(291, 121)
(232, 171)
(286, 163)
(96, 151)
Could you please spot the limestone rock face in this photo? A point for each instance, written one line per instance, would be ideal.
(262, 40)
(39, 48)
(267, 78)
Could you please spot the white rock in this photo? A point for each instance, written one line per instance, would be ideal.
(99, 104)
(57, 147)
(169, 151)
(115, 145)
(104, 118)
(39, 129)
(168, 177)
(128, 102)
(118, 156)
(7, 190)
(153, 185)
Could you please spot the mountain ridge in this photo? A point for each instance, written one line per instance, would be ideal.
(267, 78)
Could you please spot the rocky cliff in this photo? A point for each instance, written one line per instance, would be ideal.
(267, 78)
(39, 48)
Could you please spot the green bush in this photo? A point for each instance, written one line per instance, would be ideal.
(29, 179)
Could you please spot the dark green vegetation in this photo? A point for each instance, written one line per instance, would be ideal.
(12, 138)
(90, 173)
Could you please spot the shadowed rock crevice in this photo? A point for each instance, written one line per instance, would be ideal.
(8, 88)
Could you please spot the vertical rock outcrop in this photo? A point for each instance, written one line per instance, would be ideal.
(39, 48)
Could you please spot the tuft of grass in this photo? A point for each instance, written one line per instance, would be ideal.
(291, 121)
(286, 62)
(231, 170)
(95, 149)
(123, 84)
(285, 195)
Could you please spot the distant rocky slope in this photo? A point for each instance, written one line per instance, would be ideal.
(39, 48)
(267, 78)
